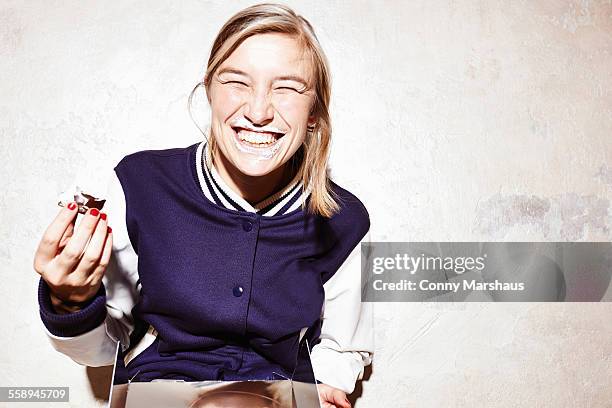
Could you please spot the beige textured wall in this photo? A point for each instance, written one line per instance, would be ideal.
(454, 120)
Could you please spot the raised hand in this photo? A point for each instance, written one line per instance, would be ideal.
(72, 262)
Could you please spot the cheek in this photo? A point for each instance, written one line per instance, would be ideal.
(297, 112)
(225, 103)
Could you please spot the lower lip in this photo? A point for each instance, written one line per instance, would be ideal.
(263, 152)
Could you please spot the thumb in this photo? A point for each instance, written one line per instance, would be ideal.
(340, 400)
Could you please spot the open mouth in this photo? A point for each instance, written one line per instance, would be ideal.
(256, 138)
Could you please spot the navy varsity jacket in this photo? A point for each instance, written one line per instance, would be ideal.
(229, 293)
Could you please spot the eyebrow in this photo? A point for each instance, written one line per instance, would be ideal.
(295, 78)
(232, 71)
(292, 78)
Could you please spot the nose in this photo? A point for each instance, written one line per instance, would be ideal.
(258, 109)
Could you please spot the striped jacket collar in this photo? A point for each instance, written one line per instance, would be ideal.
(216, 190)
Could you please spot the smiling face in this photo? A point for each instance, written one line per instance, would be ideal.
(261, 98)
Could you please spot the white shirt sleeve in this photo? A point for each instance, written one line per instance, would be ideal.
(98, 347)
(347, 335)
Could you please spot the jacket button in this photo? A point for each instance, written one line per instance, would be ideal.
(247, 225)
(238, 290)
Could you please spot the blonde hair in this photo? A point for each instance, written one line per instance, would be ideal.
(274, 392)
(312, 157)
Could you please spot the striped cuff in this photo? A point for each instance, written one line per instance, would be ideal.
(71, 324)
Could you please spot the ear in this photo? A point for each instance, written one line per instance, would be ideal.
(204, 85)
(312, 121)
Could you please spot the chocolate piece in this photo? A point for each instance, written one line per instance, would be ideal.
(85, 201)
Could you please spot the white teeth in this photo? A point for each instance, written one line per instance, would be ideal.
(256, 137)
(260, 145)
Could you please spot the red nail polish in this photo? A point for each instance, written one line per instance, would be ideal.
(72, 206)
(94, 212)
(103, 216)
(109, 229)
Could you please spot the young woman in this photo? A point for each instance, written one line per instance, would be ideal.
(231, 253)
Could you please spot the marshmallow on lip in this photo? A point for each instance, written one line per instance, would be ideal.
(263, 143)
(246, 132)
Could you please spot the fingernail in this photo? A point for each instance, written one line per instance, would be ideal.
(109, 229)
(103, 216)
(72, 206)
(94, 212)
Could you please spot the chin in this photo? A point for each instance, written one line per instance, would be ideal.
(253, 167)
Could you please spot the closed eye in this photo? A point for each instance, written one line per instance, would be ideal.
(235, 82)
(287, 88)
